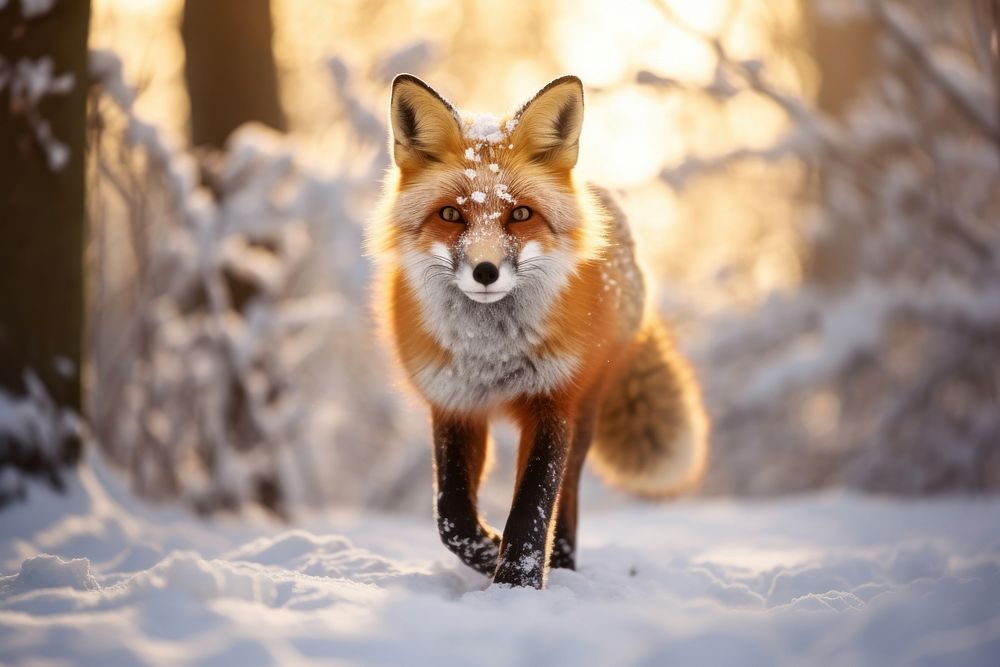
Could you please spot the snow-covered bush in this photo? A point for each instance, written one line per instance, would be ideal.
(882, 370)
(37, 437)
(232, 350)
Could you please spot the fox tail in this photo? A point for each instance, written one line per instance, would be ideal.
(652, 430)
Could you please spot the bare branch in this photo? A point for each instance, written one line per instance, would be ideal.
(923, 62)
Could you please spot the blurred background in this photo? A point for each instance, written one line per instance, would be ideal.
(814, 186)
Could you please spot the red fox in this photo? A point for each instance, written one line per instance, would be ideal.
(510, 289)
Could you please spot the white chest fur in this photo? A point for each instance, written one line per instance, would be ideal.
(494, 347)
(494, 359)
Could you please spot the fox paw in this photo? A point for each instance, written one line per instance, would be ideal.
(478, 548)
(525, 569)
(563, 555)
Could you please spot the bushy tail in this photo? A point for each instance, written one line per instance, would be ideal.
(652, 431)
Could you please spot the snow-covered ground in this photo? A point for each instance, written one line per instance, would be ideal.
(94, 578)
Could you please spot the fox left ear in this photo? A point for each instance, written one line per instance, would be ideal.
(549, 124)
(425, 128)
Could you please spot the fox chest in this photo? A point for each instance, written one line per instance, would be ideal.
(491, 362)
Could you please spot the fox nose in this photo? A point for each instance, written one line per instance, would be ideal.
(486, 273)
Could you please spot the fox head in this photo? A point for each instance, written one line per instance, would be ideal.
(484, 209)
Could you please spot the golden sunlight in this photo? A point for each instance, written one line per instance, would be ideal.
(694, 325)
(491, 57)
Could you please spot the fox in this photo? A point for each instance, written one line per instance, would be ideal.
(509, 288)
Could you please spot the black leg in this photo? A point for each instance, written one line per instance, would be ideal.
(524, 553)
(564, 544)
(459, 456)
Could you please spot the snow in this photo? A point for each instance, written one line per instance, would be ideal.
(30, 82)
(99, 578)
(95, 577)
(500, 190)
(33, 418)
(484, 127)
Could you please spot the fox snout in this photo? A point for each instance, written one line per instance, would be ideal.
(490, 274)
(483, 260)
(486, 281)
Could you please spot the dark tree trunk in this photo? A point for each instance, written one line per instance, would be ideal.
(229, 67)
(42, 231)
(845, 56)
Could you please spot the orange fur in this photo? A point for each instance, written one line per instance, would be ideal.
(587, 344)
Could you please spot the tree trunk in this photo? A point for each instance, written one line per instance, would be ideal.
(42, 144)
(845, 56)
(229, 67)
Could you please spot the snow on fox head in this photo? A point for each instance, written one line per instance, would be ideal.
(483, 207)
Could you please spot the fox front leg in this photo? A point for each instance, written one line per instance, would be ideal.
(564, 544)
(459, 456)
(524, 553)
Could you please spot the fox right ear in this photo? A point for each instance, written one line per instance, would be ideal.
(549, 124)
(425, 128)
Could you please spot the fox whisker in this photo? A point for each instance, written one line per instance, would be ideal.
(434, 272)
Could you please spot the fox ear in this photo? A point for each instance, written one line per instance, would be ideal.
(425, 128)
(548, 125)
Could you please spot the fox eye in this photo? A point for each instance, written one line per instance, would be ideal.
(520, 214)
(450, 214)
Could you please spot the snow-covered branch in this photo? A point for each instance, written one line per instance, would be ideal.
(897, 317)
(28, 81)
(232, 354)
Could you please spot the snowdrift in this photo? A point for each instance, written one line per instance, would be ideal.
(95, 578)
